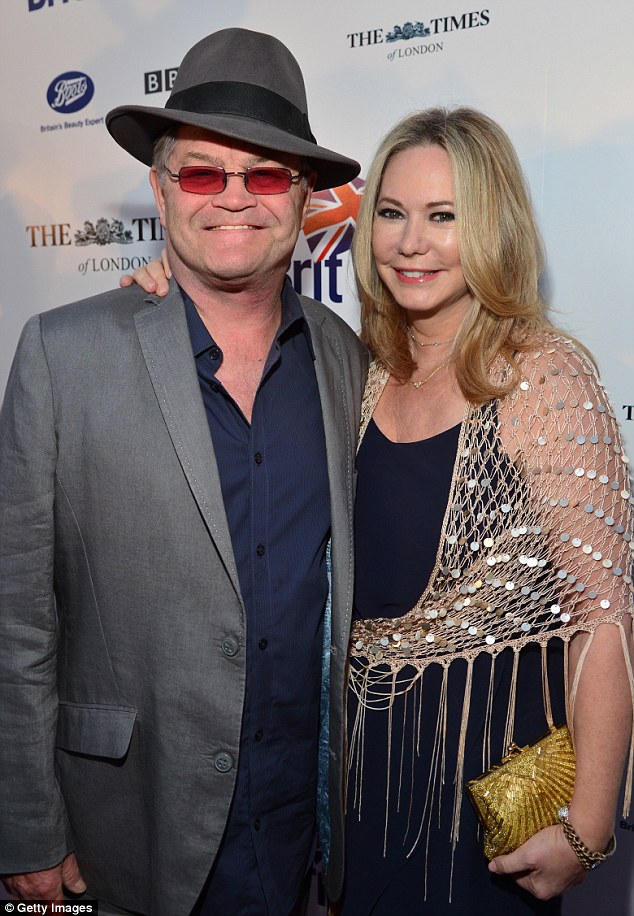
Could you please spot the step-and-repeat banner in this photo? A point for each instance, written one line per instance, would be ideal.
(559, 76)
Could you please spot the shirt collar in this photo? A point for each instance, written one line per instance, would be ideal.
(292, 314)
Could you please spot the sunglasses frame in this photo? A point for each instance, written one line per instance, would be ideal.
(217, 170)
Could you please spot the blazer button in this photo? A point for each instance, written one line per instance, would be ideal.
(223, 762)
(230, 646)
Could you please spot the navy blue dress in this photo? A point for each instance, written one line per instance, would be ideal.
(402, 493)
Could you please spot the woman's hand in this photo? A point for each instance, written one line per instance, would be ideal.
(154, 278)
(545, 864)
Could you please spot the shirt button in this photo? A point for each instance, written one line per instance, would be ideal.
(230, 646)
(214, 353)
(256, 823)
(263, 643)
(258, 458)
(223, 762)
(259, 734)
(260, 550)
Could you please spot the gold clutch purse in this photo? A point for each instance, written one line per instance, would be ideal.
(524, 792)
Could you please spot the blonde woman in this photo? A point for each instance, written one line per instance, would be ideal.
(492, 517)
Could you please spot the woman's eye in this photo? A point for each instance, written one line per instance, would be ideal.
(389, 213)
(443, 216)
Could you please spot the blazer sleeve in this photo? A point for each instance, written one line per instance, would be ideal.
(33, 827)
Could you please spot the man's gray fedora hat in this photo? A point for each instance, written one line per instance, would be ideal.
(241, 84)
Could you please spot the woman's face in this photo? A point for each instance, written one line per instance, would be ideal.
(414, 235)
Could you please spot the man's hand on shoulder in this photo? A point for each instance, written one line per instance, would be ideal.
(49, 883)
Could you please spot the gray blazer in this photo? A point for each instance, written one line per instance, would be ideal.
(120, 709)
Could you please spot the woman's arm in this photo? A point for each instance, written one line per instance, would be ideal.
(154, 278)
(571, 444)
(546, 865)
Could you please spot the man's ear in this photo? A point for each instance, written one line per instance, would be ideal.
(159, 194)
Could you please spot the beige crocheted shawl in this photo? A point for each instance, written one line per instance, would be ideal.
(535, 543)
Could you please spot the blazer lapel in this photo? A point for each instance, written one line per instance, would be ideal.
(166, 347)
(340, 449)
(340, 432)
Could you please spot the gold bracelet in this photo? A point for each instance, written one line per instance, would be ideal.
(588, 859)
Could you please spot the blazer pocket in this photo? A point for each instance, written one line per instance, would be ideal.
(100, 731)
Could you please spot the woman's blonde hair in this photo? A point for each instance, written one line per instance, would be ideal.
(500, 251)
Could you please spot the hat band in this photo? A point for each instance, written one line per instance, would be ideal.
(243, 100)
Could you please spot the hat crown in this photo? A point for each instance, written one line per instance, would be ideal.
(243, 56)
(244, 86)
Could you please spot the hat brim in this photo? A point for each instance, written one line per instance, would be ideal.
(137, 128)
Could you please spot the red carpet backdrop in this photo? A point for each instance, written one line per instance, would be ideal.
(559, 76)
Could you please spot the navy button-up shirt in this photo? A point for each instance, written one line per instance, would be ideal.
(274, 481)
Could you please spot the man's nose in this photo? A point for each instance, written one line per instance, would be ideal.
(234, 193)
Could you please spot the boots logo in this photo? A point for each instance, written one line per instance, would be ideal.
(70, 92)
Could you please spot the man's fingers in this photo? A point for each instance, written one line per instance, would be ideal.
(37, 885)
(71, 876)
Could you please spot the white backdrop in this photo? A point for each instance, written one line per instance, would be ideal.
(558, 74)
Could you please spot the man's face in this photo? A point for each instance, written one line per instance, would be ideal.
(233, 240)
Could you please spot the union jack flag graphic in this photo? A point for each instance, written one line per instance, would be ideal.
(332, 218)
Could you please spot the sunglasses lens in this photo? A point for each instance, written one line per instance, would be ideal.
(198, 180)
(268, 181)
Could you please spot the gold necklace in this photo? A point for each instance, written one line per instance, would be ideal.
(423, 381)
(432, 343)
